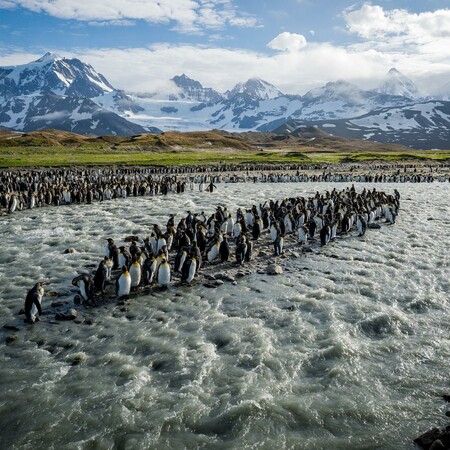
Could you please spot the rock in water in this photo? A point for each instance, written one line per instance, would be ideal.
(71, 314)
(11, 338)
(427, 439)
(69, 250)
(274, 269)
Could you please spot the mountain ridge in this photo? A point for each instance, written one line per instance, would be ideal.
(69, 94)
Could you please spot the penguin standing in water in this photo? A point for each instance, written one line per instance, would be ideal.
(12, 206)
(278, 245)
(241, 250)
(33, 302)
(256, 230)
(149, 270)
(224, 250)
(109, 266)
(180, 259)
(124, 257)
(361, 225)
(213, 252)
(164, 273)
(86, 285)
(135, 273)
(189, 270)
(302, 233)
(101, 276)
(249, 251)
(123, 284)
(325, 234)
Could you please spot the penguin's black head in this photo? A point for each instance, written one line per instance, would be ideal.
(110, 240)
(124, 269)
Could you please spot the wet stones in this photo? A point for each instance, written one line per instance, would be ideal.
(274, 269)
(69, 250)
(435, 438)
(78, 358)
(11, 338)
(70, 314)
(10, 327)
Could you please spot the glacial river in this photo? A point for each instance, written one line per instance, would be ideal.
(348, 348)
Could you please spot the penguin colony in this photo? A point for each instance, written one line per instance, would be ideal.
(31, 189)
(179, 251)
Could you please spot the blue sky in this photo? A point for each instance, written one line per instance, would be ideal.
(295, 44)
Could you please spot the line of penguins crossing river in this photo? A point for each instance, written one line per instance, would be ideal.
(28, 189)
(180, 253)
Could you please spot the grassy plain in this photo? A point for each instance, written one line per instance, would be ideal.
(54, 148)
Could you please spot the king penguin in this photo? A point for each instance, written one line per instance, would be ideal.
(164, 273)
(85, 283)
(135, 273)
(33, 302)
(123, 285)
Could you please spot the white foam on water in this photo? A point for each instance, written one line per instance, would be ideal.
(349, 348)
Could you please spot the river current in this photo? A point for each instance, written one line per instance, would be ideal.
(348, 348)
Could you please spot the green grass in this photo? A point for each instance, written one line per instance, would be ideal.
(86, 156)
(92, 155)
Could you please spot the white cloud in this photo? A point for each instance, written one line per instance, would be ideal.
(373, 21)
(288, 42)
(149, 69)
(189, 15)
(416, 43)
(51, 116)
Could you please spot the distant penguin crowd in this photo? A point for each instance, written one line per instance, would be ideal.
(27, 189)
(179, 251)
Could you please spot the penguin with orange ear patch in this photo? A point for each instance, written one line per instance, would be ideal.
(123, 285)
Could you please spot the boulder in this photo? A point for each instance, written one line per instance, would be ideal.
(70, 314)
(427, 439)
(274, 269)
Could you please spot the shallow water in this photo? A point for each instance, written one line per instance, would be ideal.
(358, 362)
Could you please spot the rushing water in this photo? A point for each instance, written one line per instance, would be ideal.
(347, 349)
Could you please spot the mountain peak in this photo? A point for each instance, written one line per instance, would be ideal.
(192, 90)
(256, 88)
(48, 57)
(183, 81)
(395, 83)
(53, 74)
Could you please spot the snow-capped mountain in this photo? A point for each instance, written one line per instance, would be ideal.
(68, 113)
(255, 89)
(395, 83)
(336, 100)
(51, 73)
(190, 89)
(56, 92)
(421, 125)
(67, 94)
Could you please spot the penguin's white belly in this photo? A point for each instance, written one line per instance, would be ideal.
(212, 254)
(135, 274)
(83, 292)
(124, 285)
(182, 260)
(122, 260)
(192, 269)
(164, 275)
